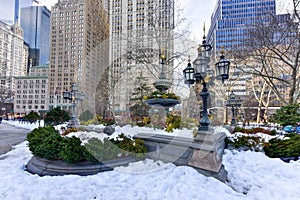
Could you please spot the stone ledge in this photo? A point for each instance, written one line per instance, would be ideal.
(204, 155)
(165, 139)
(44, 167)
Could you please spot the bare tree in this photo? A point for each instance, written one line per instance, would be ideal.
(156, 28)
(165, 31)
(262, 94)
(272, 53)
(5, 96)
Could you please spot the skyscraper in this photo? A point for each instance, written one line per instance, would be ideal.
(231, 19)
(140, 31)
(35, 22)
(79, 50)
(17, 9)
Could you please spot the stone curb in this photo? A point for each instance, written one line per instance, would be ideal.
(44, 167)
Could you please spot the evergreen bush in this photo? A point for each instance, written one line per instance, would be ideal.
(71, 150)
(287, 115)
(276, 148)
(245, 143)
(38, 135)
(32, 117)
(86, 116)
(46, 142)
(50, 147)
(56, 116)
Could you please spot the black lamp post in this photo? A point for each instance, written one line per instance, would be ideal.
(233, 102)
(74, 96)
(198, 75)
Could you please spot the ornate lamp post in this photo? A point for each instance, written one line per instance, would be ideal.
(208, 145)
(74, 96)
(199, 73)
(233, 102)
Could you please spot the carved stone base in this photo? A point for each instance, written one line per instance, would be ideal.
(206, 160)
(208, 150)
(73, 123)
(221, 175)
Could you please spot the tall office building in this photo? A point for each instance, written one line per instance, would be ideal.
(79, 50)
(35, 22)
(231, 27)
(140, 31)
(231, 18)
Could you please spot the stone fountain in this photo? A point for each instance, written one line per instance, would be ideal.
(203, 153)
(162, 85)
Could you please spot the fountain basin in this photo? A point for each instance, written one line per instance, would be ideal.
(167, 103)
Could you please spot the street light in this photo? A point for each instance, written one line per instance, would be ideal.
(198, 75)
(233, 102)
(74, 96)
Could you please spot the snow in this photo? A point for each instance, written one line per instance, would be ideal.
(251, 175)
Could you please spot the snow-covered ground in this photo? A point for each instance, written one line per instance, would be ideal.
(251, 175)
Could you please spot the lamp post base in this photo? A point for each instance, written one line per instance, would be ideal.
(208, 148)
(73, 123)
(233, 122)
(202, 128)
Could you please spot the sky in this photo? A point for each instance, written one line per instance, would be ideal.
(197, 12)
(196, 16)
(251, 176)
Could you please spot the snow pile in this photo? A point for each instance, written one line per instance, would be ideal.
(251, 173)
(251, 176)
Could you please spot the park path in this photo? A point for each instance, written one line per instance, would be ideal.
(10, 136)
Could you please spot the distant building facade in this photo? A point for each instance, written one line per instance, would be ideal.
(31, 91)
(230, 19)
(12, 55)
(79, 51)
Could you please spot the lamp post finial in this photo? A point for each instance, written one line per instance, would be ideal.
(204, 31)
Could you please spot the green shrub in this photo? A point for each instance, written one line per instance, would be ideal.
(49, 148)
(71, 150)
(38, 135)
(134, 147)
(32, 117)
(106, 121)
(86, 116)
(56, 116)
(239, 129)
(276, 148)
(47, 143)
(105, 150)
(245, 143)
(93, 121)
(287, 115)
(290, 135)
(158, 95)
(273, 132)
(172, 122)
(169, 128)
